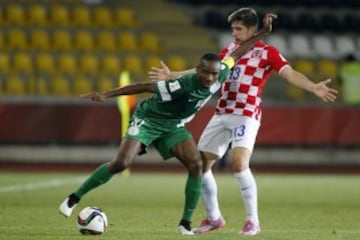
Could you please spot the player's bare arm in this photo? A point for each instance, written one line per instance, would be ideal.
(320, 89)
(164, 73)
(127, 90)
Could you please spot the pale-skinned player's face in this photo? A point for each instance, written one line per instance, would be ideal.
(240, 32)
(208, 72)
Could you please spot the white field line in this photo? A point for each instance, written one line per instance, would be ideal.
(40, 185)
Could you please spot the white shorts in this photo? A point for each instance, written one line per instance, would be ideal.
(240, 131)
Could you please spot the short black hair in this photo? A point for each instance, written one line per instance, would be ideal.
(210, 57)
(247, 16)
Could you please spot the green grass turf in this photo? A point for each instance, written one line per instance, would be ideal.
(148, 206)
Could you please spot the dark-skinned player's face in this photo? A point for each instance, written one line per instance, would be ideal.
(208, 72)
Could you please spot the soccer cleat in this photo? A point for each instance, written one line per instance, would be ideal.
(68, 205)
(208, 225)
(184, 227)
(250, 229)
(183, 231)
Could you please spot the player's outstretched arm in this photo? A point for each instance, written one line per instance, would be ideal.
(320, 89)
(164, 73)
(127, 90)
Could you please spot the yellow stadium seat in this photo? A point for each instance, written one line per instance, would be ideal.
(42, 87)
(22, 63)
(88, 64)
(4, 63)
(110, 65)
(45, 63)
(62, 40)
(59, 15)
(82, 85)
(103, 17)
(66, 64)
(105, 83)
(106, 41)
(305, 66)
(176, 63)
(37, 15)
(127, 41)
(15, 14)
(328, 68)
(81, 16)
(83, 40)
(133, 64)
(149, 42)
(40, 40)
(60, 86)
(17, 40)
(152, 61)
(124, 17)
(15, 85)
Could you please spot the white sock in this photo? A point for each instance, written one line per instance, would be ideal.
(209, 196)
(249, 193)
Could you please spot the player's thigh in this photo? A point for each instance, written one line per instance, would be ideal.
(244, 131)
(171, 144)
(216, 137)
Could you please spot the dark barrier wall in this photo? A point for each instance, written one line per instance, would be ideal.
(67, 123)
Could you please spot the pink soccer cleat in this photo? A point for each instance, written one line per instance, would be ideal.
(208, 225)
(250, 229)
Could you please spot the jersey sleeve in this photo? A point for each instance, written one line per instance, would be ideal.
(169, 90)
(225, 69)
(277, 61)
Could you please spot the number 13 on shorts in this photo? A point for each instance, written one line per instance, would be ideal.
(239, 132)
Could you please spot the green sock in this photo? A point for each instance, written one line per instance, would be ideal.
(100, 176)
(192, 196)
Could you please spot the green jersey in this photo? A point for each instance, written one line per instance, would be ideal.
(177, 100)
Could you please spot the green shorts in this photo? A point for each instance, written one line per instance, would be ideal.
(163, 135)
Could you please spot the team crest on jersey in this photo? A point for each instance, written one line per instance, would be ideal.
(173, 86)
(134, 128)
(257, 53)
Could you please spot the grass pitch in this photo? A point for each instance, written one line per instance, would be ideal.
(148, 206)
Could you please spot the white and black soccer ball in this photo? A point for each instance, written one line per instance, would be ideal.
(92, 221)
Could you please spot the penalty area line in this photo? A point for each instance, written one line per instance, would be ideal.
(40, 185)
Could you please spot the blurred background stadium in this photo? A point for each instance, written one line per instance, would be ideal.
(52, 51)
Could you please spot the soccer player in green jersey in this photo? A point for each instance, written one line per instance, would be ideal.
(159, 121)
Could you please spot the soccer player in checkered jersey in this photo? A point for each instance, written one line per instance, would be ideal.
(238, 115)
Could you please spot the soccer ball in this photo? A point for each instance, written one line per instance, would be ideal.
(92, 221)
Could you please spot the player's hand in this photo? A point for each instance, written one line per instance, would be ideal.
(159, 74)
(95, 96)
(324, 92)
(267, 21)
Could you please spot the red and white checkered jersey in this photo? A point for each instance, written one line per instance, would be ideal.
(241, 92)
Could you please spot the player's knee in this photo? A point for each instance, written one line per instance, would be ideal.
(239, 166)
(120, 163)
(195, 167)
(208, 160)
